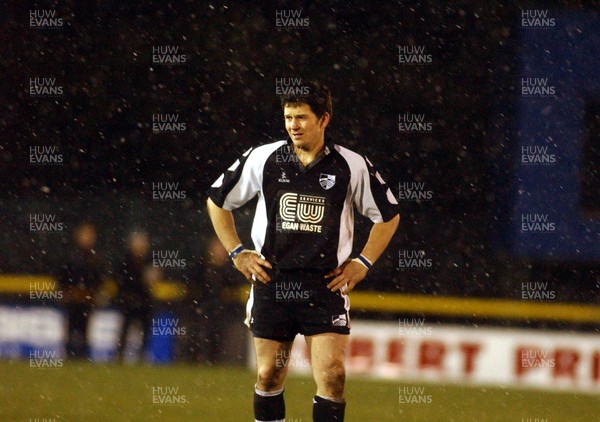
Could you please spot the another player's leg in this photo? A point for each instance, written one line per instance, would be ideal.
(272, 366)
(327, 352)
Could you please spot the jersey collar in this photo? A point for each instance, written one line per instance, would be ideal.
(329, 146)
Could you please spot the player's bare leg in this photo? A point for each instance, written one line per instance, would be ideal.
(327, 352)
(272, 358)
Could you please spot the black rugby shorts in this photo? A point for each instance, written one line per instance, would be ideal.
(296, 302)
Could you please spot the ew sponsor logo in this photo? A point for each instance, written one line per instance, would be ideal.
(537, 223)
(536, 19)
(291, 358)
(44, 87)
(44, 290)
(413, 259)
(44, 19)
(291, 18)
(413, 123)
(168, 259)
(537, 88)
(167, 191)
(167, 327)
(167, 395)
(537, 291)
(45, 155)
(45, 223)
(167, 123)
(167, 55)
(300, 213)
(536, 358)
(413, 395)
(414, 192)
(45, 359)
(291, 292)
(413, 327)
(537, 156)
(290, 86)
(413, 55)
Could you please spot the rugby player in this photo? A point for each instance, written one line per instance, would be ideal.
(300, 265)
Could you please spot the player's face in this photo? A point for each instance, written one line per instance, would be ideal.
(306, 130)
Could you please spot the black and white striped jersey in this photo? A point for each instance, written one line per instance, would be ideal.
(304, 217)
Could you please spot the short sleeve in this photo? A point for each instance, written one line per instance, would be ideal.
(238, 184)
(372, 196)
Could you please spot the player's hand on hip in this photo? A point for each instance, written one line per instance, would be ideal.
(250, 263)
(348, 274)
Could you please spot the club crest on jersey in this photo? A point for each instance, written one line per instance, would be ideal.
(326, 180)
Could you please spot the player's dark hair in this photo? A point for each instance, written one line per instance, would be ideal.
(314, 94)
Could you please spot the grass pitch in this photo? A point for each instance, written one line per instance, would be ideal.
(90, 392)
